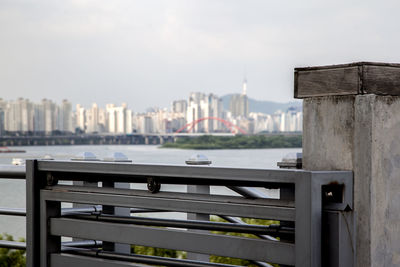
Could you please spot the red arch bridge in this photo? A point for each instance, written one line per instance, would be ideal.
(232, 127)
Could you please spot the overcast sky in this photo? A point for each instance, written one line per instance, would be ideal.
(149, 53)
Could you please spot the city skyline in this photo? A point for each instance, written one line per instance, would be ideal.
(200, 113)
(238, 93)
(145, 109)
(150, 51)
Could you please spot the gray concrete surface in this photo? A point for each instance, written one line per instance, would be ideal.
(328, 133)
(361, 133)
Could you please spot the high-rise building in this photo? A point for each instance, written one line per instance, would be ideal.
(65, 117)
(92, 119)
(1, 122)
(179, 106)
(38, 113)
(239, 103)
(291, 120)
(3, 104)
(148, 125)
(80, 117)
(119, 119)
(50, 115)
(178, 115)
(211, 107)
(102, 120)
(128, 121)
(204, 106)
(194, 111)
(18, 116)
(26, 115)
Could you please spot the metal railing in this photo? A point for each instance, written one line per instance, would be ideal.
(18, 172)
(306, 200)
(12, 172)
(299, 211)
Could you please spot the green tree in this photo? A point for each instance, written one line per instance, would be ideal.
(11, 257)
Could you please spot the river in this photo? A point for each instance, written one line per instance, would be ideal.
(13, 191)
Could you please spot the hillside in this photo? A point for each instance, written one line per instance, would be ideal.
(267, 107)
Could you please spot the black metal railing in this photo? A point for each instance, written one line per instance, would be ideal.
(299, 212)
(12, 172)
(99, 231)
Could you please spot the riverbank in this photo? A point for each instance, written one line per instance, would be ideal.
(237, 142)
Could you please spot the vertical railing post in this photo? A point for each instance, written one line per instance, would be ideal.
(48, 243)
(32, 214)
(198, 189)
(308, 204)
(85, 156)
(39, 243)
(115, 157)
(119, 211)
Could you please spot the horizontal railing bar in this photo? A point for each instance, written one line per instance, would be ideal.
(119, 170)
(12, 244)
(76, 244)
(65, 211)
(83, 244)
(248, 192)
(69, 259)
(174, 195)
(136, 210)
(239, 221)
(173, 204)
(12, 172)
(146, 259)
(190, 224)
(13, 211)
(99, 208)
(205, 243)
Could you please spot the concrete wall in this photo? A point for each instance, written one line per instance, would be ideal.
(361, 133)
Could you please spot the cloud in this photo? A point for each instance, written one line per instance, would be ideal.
(151, 52)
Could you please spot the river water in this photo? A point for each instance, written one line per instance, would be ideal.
(12, 192)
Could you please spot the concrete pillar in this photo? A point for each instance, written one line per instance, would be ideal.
(352, 122)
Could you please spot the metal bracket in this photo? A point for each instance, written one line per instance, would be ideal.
(153, 185)
(51, 180)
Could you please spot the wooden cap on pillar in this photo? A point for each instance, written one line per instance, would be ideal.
(347, 79)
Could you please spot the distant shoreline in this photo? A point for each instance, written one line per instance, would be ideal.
(97, 139)
(208, 142)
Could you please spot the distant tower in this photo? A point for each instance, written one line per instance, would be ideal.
(244, 92)
(239, 103)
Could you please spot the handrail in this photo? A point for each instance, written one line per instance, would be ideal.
(12, 171)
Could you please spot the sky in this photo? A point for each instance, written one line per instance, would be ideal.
(149, 53)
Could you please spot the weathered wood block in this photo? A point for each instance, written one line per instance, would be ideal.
(347, 79)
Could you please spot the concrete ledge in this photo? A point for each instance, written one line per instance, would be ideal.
(347, 79)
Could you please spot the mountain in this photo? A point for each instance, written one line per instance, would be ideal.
(267, 107)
